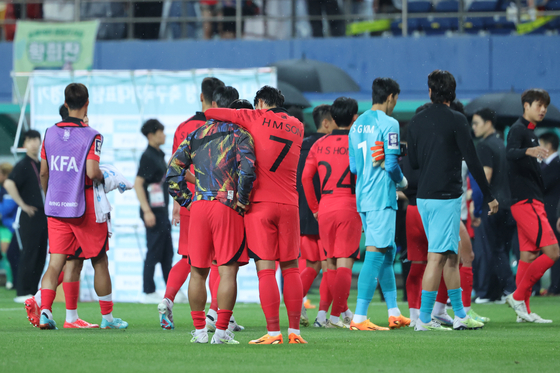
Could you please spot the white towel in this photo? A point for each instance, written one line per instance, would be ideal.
(113, 180)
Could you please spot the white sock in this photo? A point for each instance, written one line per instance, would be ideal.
(107, 298)
(414, 313)
(38, 298)
(322, 316)
(213, 314)
(439, 308)
(220, 333)
(108, 317)
(348, 313)
(274, 334)
(200, 331)
(232, 319)
(395, 312)
(47, 313)
(71, 315)
(359, 318)
(467, 309)
(334, 319)
(296, 331)
(169, 302)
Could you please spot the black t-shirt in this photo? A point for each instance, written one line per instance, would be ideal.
(307, 223)
(153, 169)
(26, 177)
(492, 153)
(525, 180)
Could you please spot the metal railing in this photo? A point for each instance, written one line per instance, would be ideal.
(130, 21)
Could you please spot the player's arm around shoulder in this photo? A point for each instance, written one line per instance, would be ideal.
(246, 166)
(242, 117)
(176, 173)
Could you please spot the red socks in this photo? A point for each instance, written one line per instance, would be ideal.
(270, 298)
(521, 270)
(293, 295)
(214, 283)
(326, 295)
(177, 277)
(466, 284)
(307, 277)
(442, 291)
(414, 284)
(47, 299)
(532, 274)
(223, 319)
(71, 294)
(343, 281)
(60, 278)
(199, 319)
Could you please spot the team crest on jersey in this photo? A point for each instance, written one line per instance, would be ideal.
(393, 140)
(66, 135)
(98, 146)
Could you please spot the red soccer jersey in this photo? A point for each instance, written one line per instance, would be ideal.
(329, 157)
(181, 133)
(278, 138)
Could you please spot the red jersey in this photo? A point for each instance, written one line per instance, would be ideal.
(181, 133)
(329, 157)
(278, 138)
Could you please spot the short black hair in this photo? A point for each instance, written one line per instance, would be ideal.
(270, 95)
(534, 94)
(241, 104)
(208, 86)
(321, 112)
(151, 126)
(443, 85)
(63, 111)
(75, 96)
(551, 138)
(423, 107)
(487, 115)
(457, 106)
(343, 110)
(382, 88)
(224, 96)
(31, 134)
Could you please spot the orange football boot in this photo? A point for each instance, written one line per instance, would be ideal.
(296, 339)
(80, 324)
(366, 325)
(398, 322)
(33, 311)
(268, 340)
(308, 305)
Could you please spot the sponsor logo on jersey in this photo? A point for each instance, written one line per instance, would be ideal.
(393, 141)
(63, 163)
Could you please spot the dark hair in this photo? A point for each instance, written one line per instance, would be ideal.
(487, 115)
(343, 110)
(75, 96)
(457, 106)
(442, 83)
(63, 111)
(551, 138)
(532, 95)
(241, 104)
(208, 87)
(321, 112)
(224, 96)
(31, 134)
(151, 126)
(271, 96)
(423, 107)
(382, 88)
(296, 112)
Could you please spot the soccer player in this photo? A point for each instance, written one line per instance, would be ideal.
(438, 139)
(340, 228)
(72, 151)
(527, 192)
(180, 271)
(272, 222)
(376, 199)
(224, 164)
(311, 248)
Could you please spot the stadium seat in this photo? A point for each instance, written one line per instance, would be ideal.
(474, 24)
(419, 6)
(554, 24)
(413, 25)
(553, 5)
(483, 6)
(438, 26)
(447, 6)
(504, 5)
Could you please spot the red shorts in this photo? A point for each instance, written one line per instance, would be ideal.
(79, 237)
(311, 248)
(341, 232)
(216, 232)
(273, 231)
(416, 240)
(184, 234)
(533, 228)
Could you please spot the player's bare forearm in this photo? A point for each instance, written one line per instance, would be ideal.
(93, 171)
(44, 175)
(141, 194)
(12, 190)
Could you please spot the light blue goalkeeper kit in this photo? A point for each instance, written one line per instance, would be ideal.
(376, 200)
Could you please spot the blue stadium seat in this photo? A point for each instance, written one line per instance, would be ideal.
(419, 6)
(483, 6)
(447, 6)
(473, 25)
(553, 5)
(499, 25)
(413, 25)
(554, 24)
(505, 4)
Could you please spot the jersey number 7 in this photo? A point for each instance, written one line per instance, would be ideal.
(283, 153)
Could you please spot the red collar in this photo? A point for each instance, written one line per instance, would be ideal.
(531, 126)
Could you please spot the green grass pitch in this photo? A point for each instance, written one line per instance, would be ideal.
(502, 346)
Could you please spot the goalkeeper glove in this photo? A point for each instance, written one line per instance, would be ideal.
(378, 154)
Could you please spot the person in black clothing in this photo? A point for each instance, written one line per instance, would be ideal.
(24, 186)
(550, 168)
(151, 190)
(147, 9)
(493, 233)
(438, 139)
(316, 7)
(311, 250)
(527, 192)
